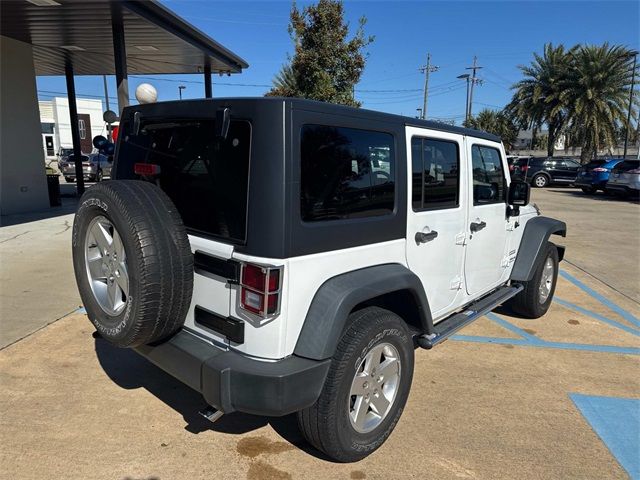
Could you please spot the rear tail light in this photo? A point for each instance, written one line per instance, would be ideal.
(260, 289)
(599, 169)
(146, 169)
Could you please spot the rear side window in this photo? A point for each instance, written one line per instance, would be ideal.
(207, 179)
(435, 175)
(626, 166)
(489, 184)
(345, 173)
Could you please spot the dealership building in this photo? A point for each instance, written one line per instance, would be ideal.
(82, 37)
(55, 122)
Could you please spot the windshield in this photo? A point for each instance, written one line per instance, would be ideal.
(206, 178)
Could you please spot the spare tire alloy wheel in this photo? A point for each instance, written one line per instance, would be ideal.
(106, 262)
(133, 262)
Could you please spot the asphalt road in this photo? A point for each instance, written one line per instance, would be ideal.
(506, 398)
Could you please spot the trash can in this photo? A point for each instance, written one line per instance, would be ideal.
(53, 184)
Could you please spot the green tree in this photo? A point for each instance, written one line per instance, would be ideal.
(326, 65)
(496, 122)
(596, 92)
(538, 98)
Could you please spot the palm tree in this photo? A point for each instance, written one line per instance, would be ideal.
(284, 83)
(496, 122)
(596, 93)
(538, 97)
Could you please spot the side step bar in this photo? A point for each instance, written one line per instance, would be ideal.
(450, 325)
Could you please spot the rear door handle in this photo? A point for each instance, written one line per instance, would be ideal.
(477, 226)
(422, 237)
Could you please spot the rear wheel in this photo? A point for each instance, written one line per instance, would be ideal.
(535, 299)
(366, 388)
(589, 190)
(540, 180)
(69, 179)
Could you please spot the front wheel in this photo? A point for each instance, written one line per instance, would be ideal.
(540, 181)
(535, 299)
(366, 388)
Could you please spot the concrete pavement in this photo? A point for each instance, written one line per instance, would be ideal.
(492, 403)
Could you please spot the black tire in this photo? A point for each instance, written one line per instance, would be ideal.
(69, 179)
(326, 424)
(589, 190)
(528, 302)
(159, 261)
(99, 176)
(540, 180)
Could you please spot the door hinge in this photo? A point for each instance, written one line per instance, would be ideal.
(461, 239)
(456, 283)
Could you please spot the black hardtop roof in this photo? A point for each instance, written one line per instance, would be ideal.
(316, 106)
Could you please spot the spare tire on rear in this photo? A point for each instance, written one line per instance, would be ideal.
(133, 262)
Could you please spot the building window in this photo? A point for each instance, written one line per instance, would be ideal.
(346, 173)
(47, 128)
(489, 183)
(435, 173)
(83, 129)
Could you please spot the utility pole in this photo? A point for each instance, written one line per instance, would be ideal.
(633, 84)
(466, 76)
(474, 81)
(427, 69)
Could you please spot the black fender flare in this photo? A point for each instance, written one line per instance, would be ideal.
(336, 298)
(534, 239)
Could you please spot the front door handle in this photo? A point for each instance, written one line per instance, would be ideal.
(422, 237)
(477, 226)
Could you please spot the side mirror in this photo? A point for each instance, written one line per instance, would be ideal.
(519, 193)
(223, 120)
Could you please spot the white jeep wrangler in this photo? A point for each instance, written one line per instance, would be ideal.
(284, 255)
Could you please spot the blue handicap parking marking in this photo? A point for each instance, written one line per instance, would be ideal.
(617, 422)
(81, 310)
(629, 317)
(529, 340)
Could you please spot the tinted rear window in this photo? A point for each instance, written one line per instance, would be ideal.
(627, 165)
(345, 173)
(207, 179)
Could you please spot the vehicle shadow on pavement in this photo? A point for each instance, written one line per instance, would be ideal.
(131, 371)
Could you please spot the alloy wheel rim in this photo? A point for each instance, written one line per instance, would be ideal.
(546, 281)
(540, 181)
(106, 264)
(374, 387)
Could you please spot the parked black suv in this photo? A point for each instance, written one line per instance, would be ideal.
(543, 171)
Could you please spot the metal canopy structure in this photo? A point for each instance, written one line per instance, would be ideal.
(80, 31)
(111, 37)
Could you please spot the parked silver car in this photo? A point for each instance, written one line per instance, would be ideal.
(95, 167)
(625, 179)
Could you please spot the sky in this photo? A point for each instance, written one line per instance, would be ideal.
(502, 35)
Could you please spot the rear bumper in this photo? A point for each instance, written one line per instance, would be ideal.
(231, 382)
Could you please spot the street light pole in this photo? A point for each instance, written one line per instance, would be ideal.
(180, 88)
(633, 80)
